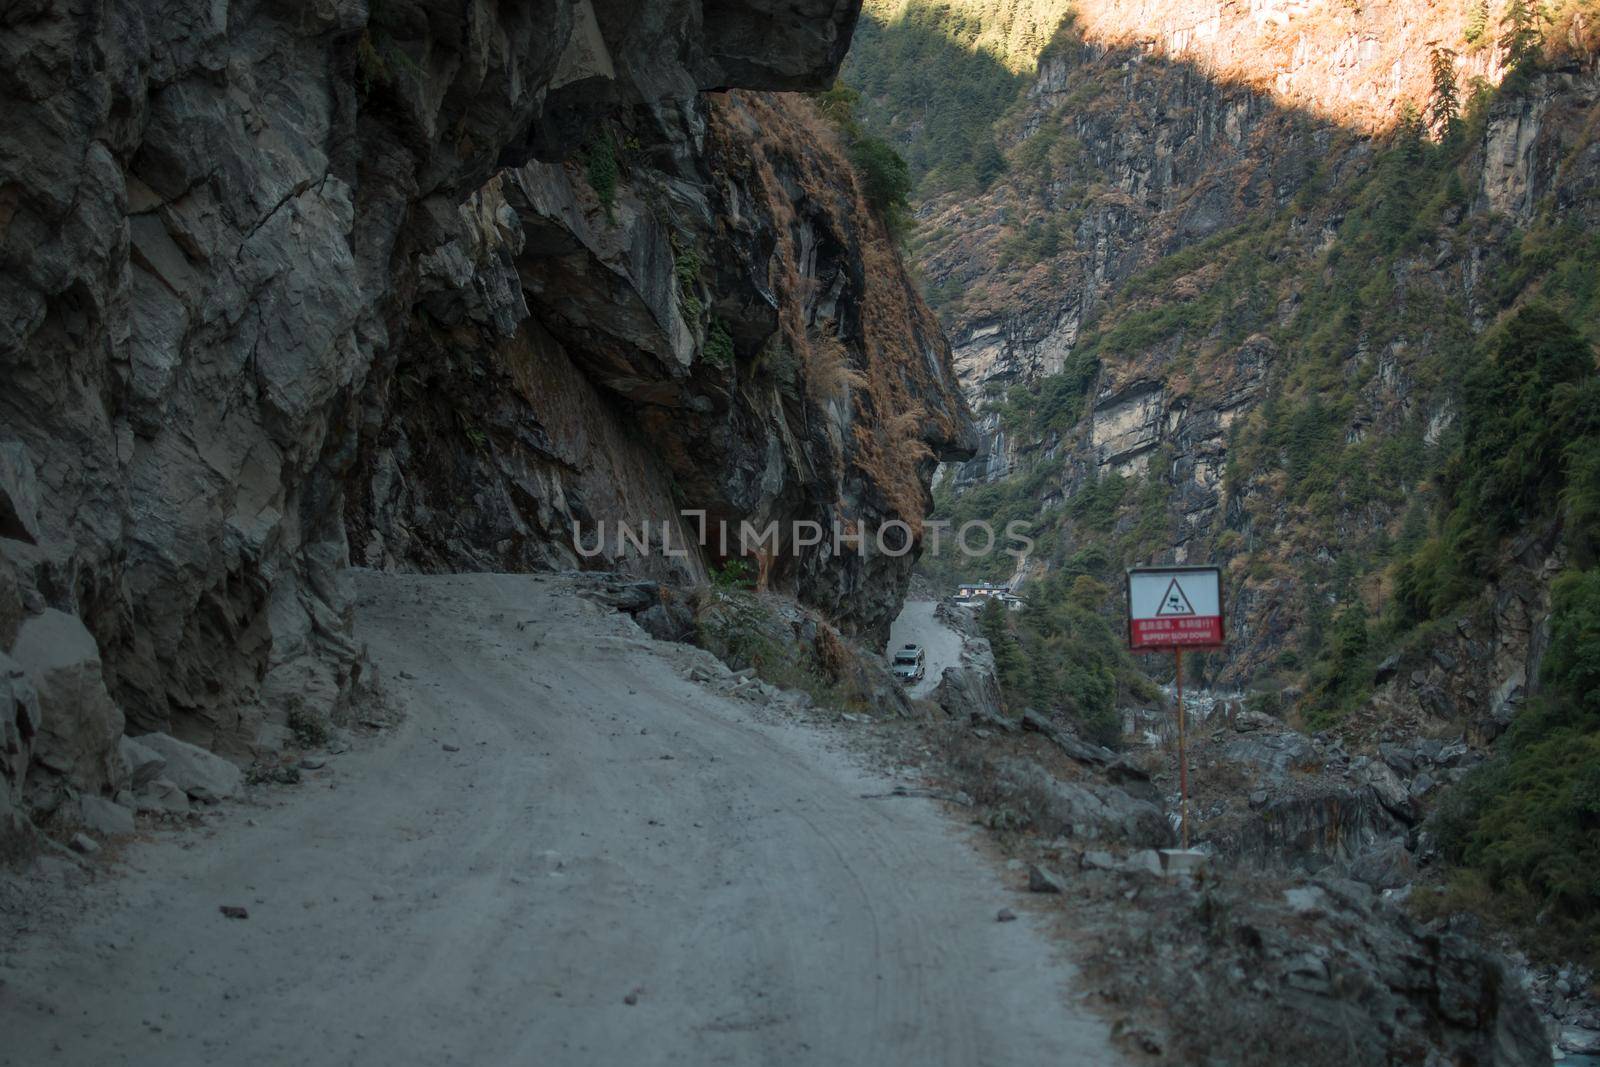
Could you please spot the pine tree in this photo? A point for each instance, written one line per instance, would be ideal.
(1414, 529)
(1350, 644)
(1520, 35)
(1011, 664)
(1477, 21)
(1446, 109)
(988, 163)
(1411, 132)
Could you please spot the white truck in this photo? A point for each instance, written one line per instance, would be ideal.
(909, 663)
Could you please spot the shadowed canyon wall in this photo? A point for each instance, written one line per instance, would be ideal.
(419, 285)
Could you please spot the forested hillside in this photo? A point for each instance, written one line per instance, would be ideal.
(1311, 292)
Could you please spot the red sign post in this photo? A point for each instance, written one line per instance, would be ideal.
(1176, 608)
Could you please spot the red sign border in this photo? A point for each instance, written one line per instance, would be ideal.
(1192, 568)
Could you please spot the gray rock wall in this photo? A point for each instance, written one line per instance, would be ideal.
(265, 305)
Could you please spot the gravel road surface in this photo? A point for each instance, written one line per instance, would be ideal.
(610, 864)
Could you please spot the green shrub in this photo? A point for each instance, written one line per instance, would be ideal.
(718, 349)
(885, 178)
(1061, 656)
(310, 730)
(1477, 21)
(686, 265)
(1530, 429)
(1342, 676)
(1528, 821)
(1265, 702)
(736, 573)
(600, 165)
(744, 632)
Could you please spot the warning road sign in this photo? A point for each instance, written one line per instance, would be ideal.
(1174, 602)
(1175, 607)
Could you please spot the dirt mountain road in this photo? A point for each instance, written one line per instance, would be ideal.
(918, 624)
(609, 864)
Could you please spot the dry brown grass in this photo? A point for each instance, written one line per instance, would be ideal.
(883, 360)
(830, 374)
(832, 656)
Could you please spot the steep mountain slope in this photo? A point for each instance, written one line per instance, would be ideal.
(1257, 284)
(426, 286)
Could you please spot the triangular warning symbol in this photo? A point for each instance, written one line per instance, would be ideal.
(1173, 601)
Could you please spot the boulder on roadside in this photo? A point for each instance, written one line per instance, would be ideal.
(200, 774)
(1275, 754)
(162, 797)
(667, 621)
(79, 723)
(971, 691)
(102, 817)
(144, 764)
(1386, 787)
(1043, 880)
(1082, 751)
(1246, 721)
(1134, 779)
(1144, 861)
(1094, 811)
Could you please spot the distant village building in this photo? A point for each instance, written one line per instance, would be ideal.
(973, 593)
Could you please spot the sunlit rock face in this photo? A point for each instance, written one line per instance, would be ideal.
(1358, 66)
(283, 288)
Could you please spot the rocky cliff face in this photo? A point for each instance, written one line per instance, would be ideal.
(726, 330)
(1213, 308)
(416, 286)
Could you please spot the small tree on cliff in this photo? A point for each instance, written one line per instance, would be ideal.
(1446, 107)
(885, 180)
(1477, 21)
(885, 176)
(1520, 35)
(988, 164)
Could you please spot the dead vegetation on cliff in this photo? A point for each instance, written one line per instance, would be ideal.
(881, 360)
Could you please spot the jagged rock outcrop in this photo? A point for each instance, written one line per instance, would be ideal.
(272, 299)
(1319, 973)
(1474, 674)
(1056, 807)
(1245, 962)
(730, 323)
(19, 725)
(1269, 798)
(971, 689)
(77, 725)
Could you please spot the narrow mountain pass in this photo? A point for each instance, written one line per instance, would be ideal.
(567, 853)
